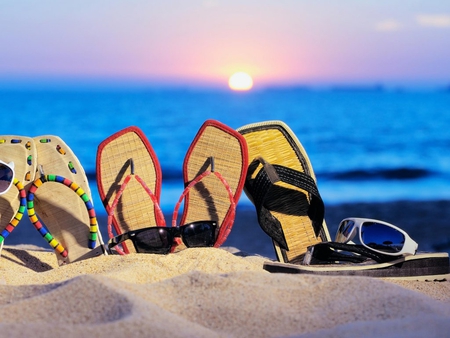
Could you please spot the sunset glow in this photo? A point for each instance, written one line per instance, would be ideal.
(240, 81)
(202, 44)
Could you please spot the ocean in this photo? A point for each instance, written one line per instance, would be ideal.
(365, 144)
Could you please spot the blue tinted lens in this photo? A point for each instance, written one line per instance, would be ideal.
(382, 237)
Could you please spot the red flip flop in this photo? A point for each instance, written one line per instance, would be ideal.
(214, 173)
(129, 182)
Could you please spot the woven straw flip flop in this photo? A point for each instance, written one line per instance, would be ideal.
(129, 182)
(214, 172)
(60, 197)
(22, 152)
(282, 185)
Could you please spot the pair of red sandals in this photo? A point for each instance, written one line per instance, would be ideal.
(129, 180)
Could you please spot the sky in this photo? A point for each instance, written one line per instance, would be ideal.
(203, 42)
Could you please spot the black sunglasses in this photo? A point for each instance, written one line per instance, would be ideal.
(159, 240)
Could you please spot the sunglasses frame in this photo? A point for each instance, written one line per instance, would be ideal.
(10, 166)
(409, 246)
(175, 232)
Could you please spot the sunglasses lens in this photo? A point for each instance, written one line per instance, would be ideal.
(6, 178)
(382, 237)
(345, 232)
(153, 240)
(199, 234)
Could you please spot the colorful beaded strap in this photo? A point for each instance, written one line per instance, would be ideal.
(159, 214)
(224, 228)
(18, 216)
(43, 230)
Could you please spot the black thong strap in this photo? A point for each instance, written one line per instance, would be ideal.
(332, 252)
(262, 189)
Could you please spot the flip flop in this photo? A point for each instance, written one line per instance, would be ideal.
(21, 151)
(214, 172)
(129, 182)
(281, 184)
(66, 209)
(422, 266)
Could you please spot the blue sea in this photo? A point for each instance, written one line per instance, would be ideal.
(365, 144)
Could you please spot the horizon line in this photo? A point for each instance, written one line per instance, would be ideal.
(118, 83)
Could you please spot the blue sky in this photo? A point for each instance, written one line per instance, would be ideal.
(204, 41)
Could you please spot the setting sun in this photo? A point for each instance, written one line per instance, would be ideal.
(240, 81)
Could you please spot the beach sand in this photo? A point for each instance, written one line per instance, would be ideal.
(205, 292)
(220, 292)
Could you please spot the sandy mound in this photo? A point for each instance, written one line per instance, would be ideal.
(204, 293)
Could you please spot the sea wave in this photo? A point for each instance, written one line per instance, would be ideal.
(378, 174)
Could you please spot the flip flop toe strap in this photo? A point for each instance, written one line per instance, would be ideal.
(18, 216)
(225, 228)
(265, 194)
(316, 209)
(160, 221)
(58, 247)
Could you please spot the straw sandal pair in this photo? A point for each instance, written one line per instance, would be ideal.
(129, 181)
(281, 184)
(51, 186)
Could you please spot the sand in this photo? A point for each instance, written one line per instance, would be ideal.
(205, 292)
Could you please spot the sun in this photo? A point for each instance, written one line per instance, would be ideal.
(240, 81)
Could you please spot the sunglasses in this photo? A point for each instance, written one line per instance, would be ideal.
(6, 176)
(377, 236)
(159, 240)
